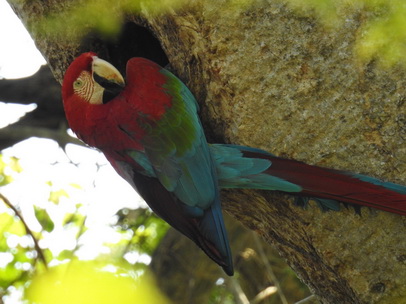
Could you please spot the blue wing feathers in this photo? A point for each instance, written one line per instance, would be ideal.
(236, 171)
(212, 226)
(390, 186)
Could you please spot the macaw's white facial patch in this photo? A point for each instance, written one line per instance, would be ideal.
(88, 89)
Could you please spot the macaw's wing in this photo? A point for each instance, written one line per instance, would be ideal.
(179, 180)
(207, 230)
(173, 142)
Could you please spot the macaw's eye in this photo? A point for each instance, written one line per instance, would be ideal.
(78, 84)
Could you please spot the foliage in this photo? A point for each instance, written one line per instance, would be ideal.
(382, 33)
(15, 253)
(92, 282)
(15, 250)
(148, 230)
(385, 35)
(84, 17)
(7, 166)
(26, 254)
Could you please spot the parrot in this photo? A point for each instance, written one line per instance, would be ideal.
(149, 130)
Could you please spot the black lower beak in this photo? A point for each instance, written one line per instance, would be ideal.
(111, 88)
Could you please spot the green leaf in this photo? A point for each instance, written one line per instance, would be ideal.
(10, 163)
(73, 218)
(21, 256)
(147, 227)
(44, 219)
(65, 255)
(8, 275)
(11, 224)
(76, 186)
(92, 282)
(14, 164)
(55, 196)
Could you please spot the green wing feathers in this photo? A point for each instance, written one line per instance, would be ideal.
(178, 151)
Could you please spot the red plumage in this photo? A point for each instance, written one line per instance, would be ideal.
(334, 184)
(159, 148)
(102, 127)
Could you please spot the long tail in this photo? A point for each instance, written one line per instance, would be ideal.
(243, 167)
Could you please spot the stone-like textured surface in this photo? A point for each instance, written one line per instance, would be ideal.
(267, 66)
(270, 78)
(285, 83)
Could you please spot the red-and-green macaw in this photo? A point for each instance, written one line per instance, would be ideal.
(151, 134)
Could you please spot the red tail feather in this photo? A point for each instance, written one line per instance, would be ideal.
(334, 184)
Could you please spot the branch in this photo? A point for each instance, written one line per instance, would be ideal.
(15, 133)
(27, 229)
(264, 294)
(307, 299)
(239, 294)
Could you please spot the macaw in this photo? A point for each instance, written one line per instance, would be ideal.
(151, 134)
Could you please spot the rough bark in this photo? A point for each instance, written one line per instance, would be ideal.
(270, 78)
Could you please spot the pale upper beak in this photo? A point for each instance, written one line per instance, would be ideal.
(106, 75)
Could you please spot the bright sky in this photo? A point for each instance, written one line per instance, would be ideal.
(18, 58)
(103, 191)
(18, 55)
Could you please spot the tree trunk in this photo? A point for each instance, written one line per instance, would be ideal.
(270, 78)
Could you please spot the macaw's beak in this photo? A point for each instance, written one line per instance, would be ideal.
(106, 75)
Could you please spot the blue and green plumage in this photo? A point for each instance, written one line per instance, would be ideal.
(175, 151)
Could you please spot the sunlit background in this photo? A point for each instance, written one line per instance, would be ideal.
(80, 175)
